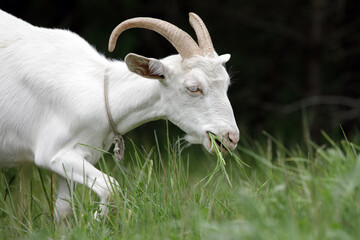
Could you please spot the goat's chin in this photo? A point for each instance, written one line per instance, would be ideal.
(206, 142)
(196, 140)
(192, 140)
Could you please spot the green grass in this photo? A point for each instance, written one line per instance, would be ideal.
(309, 192)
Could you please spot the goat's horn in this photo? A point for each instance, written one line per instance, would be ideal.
(183, 43)
(202, 34)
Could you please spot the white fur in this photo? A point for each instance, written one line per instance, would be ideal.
(51, 99)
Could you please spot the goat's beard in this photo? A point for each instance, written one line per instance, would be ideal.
(196, 140)
(192, 140)
(187, 141)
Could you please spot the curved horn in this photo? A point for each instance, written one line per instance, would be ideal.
(202, 34)
(183, 43)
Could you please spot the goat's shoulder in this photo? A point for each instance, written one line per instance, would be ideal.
(16, 33)
(11, 29)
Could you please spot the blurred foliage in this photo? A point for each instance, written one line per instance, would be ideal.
(283, 53)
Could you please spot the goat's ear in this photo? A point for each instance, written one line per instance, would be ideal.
(224, 58)
(145, 67)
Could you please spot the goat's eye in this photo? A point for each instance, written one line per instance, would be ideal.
(194, 89)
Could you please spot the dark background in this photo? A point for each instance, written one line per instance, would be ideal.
(291, 60)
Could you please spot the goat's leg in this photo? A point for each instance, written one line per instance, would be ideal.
(62, 205)
(71, 165)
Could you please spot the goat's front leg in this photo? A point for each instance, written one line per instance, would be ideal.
(62, 205)
(73, 166)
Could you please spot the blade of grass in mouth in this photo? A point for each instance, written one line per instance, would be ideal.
(219, 149)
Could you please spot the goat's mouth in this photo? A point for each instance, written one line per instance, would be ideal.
(215, 142)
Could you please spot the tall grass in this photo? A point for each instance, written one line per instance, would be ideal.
(309, 192)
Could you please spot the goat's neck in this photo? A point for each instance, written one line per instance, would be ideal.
(133, 100)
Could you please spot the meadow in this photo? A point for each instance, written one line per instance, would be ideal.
(264, 190)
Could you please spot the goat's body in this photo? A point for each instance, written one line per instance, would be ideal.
(52, 99)
(43, 110)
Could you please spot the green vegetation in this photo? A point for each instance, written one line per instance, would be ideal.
(302, 192)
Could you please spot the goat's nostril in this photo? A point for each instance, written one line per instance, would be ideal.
(233, 137)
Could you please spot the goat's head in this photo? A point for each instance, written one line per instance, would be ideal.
(194, 83)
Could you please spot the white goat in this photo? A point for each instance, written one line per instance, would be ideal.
(52, 97)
